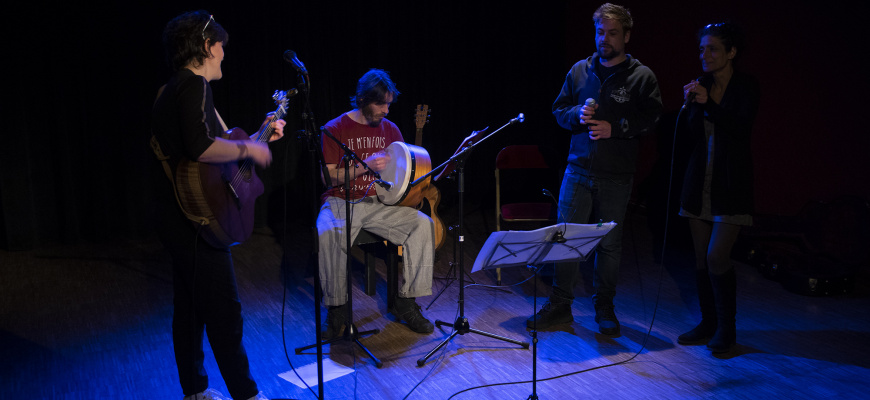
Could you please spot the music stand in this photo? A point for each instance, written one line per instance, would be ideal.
(560, 242)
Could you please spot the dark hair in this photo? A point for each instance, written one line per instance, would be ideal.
(614, 12)
(186, 36)
(373, 87)
(729, 33)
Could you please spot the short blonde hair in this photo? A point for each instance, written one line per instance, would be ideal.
(614, 12)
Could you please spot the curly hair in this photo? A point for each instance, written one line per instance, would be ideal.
(373, 87)
(614, 12)
(187, 37)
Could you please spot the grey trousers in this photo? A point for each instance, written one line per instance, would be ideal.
(400, 225)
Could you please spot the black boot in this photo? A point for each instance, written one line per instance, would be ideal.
(605, 316)
(336, 320)
(409, 311)
(725, 293)
(553, 312)
(705, 330)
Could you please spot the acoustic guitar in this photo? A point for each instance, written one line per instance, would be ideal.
(224, 194)
(431, 195)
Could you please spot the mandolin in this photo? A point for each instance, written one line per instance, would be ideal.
(431, 195)
(224, 194)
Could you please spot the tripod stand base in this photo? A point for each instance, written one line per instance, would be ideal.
(350, 334)
(461, 327)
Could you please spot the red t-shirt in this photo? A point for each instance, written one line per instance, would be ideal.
(363, 140)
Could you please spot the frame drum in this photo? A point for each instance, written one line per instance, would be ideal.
(407, 164)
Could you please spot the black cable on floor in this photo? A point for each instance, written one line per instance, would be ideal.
(658, 295)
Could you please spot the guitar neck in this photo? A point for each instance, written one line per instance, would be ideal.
(420, 118)
(266, 133)
(418, 141)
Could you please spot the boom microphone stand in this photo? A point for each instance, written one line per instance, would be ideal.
(461, 326)
(448, 171)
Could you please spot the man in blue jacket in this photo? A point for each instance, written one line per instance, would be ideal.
(607, 102)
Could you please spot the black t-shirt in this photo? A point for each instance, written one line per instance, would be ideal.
(604, 72)
(185, 123)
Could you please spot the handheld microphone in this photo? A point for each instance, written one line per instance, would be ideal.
(691, 96)
(590, 102)
(290, 57)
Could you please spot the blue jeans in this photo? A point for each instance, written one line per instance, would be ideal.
(586, 199)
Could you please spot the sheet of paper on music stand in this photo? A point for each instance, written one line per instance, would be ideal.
(513, 248)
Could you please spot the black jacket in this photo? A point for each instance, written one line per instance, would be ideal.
(732, 185)
(629, 99)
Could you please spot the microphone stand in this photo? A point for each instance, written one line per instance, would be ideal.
(461, 326)
(312, 144)
(350, 332)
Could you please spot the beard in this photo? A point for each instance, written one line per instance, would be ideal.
(372, 119)
(606, 52)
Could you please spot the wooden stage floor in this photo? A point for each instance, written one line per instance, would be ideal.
(93, 321)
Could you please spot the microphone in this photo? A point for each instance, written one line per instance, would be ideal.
(691, 96)
(290, 57)
(519, 119)
(558, 237)
(548, 193)
(590, 102)
(384, 184)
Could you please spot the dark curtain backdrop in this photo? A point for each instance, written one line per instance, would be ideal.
(76, 165)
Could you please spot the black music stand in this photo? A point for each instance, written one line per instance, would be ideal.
(461, 325)
(561, 242)
(350, 332)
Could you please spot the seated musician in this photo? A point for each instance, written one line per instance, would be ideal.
(366, 131)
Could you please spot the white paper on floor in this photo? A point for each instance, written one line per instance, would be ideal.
(331, 370)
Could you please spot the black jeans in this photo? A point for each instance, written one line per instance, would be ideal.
(206, 299)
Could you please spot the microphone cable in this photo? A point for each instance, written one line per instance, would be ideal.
(285, 278)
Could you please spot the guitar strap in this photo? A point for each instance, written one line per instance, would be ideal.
(158, 151)
(155, 146)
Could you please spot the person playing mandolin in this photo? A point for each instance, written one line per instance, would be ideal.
(366, 131)
(187, 128)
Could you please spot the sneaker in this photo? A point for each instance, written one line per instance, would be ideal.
(606, 319)
(408, 310)
(336, 319)
(551, 314)
(208, 394)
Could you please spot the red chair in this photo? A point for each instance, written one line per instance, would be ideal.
(526, 171)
